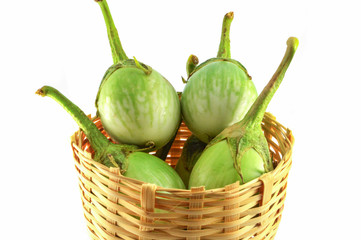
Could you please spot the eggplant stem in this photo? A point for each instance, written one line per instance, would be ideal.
(255, 114)
(97, 140)
(224, 50)
(118, 53)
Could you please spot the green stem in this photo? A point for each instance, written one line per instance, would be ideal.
(192, 63)
(255, 114)
(115, 44)
(224, 50)
(96, 139)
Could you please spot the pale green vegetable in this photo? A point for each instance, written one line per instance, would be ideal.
(218, 92)
(135, 103)
(240, 152)
(131, 161)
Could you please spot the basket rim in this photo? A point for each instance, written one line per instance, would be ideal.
(284, 162)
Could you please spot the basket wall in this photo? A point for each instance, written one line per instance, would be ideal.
(117, 207)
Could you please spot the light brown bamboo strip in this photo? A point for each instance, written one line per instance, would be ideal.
(196, 202)
(267, 180)
(232, 206)
(147, 205)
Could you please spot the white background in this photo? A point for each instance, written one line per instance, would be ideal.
(64, 44)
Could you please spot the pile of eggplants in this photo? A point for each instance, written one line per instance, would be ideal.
(141, 112)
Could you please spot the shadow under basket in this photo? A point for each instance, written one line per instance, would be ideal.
(117, 207)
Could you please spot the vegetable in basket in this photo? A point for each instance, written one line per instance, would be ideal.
(218, 92)
(240, 152)
(193, 147)
(135, 103)
(132, 162)
(192, 150)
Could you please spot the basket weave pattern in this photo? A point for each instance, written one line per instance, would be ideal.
(117, 207)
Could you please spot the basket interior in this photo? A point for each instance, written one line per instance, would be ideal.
(274, 136)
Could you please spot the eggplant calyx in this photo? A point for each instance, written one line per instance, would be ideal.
(124, 64)
(149, 146)
(146, 69)
(192, 63)
(184, 80)
(212, 60)
(224, 50)
(250, 141)
(240, 140)
(115, 155)
(109, 72)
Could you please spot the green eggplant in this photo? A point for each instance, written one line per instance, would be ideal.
(218, 92)
(136, 104)
(240, 152)
(130, 159)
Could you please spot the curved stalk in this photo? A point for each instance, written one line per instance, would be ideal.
(87, 126)
(106, 152)
(247, 134)
(255, 114)
(224, 50)
(118, 53)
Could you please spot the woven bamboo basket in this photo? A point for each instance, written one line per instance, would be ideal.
(117, 207)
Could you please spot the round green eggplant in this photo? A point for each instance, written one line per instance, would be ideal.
(240, 152)
(215, 167)
(130, 159)
(218, 92)
(135, 103)
(154, 170)
(138, 108)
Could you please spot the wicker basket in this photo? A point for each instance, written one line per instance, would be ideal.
(117, 207)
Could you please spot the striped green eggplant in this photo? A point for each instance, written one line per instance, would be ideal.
(130, 159)
(240, 152)
(135, 103)
(218, 92)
